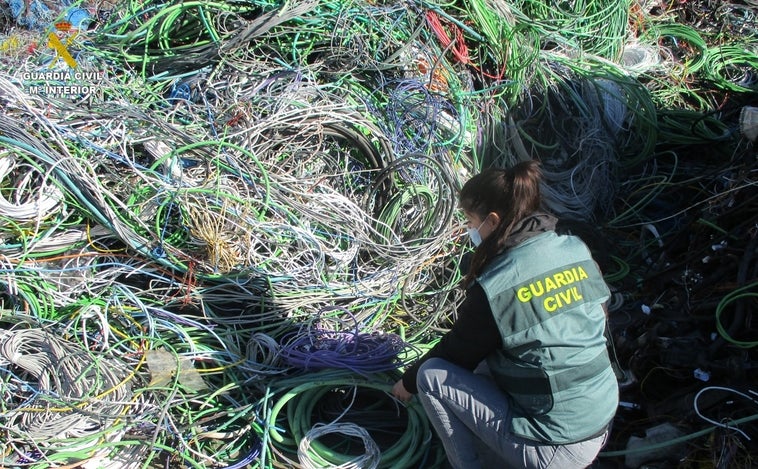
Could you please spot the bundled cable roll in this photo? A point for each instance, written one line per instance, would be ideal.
(179, 38)
(579, 128)
(326, 343)
(320, 405)
(59, 399)
(369, 460)
(27, 207)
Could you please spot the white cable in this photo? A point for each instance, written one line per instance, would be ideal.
(88, 395)
(369, 460)
(720, 424)
(27, 209)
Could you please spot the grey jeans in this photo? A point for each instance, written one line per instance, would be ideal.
(470, 415)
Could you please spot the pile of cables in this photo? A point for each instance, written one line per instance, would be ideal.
(373, 429)
(226, 228)
(321, 345)
(61, 400)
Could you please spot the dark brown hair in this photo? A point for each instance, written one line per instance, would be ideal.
(512, 193)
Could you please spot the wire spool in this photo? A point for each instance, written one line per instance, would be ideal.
(332, 340)
(369, 460)
(638, 59)
(323, 396)
(27, 207)
(60, 395)
(749, 122)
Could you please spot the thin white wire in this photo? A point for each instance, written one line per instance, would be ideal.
(47, 202)
(370, 459)
(62, 377)
(721, 424)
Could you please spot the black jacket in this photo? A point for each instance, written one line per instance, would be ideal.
(472, 337)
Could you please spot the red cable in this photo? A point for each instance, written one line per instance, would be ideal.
(459, 49)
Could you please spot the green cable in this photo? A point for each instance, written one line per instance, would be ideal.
(676, 32)
(224, 144)
(396, 209)
(206, 22)
(655, 187)
(736, 295)
(598, 27)
(308, 393)
(723, 59)
(490, 20)
(686, 127)
(171, 12)
(674, 441)
(32, 296)
(620, 274)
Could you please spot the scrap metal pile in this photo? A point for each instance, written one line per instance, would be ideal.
(226, 226)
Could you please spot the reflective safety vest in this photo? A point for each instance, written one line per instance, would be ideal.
(547, 297)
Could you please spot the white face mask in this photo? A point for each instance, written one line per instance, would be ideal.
(473, 233)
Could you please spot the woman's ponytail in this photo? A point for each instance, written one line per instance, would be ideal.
(512, 193)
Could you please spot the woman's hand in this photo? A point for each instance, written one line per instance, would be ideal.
(399, 391)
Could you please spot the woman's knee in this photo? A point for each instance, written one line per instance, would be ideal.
(431, 374)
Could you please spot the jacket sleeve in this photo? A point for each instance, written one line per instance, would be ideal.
(472, 337)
